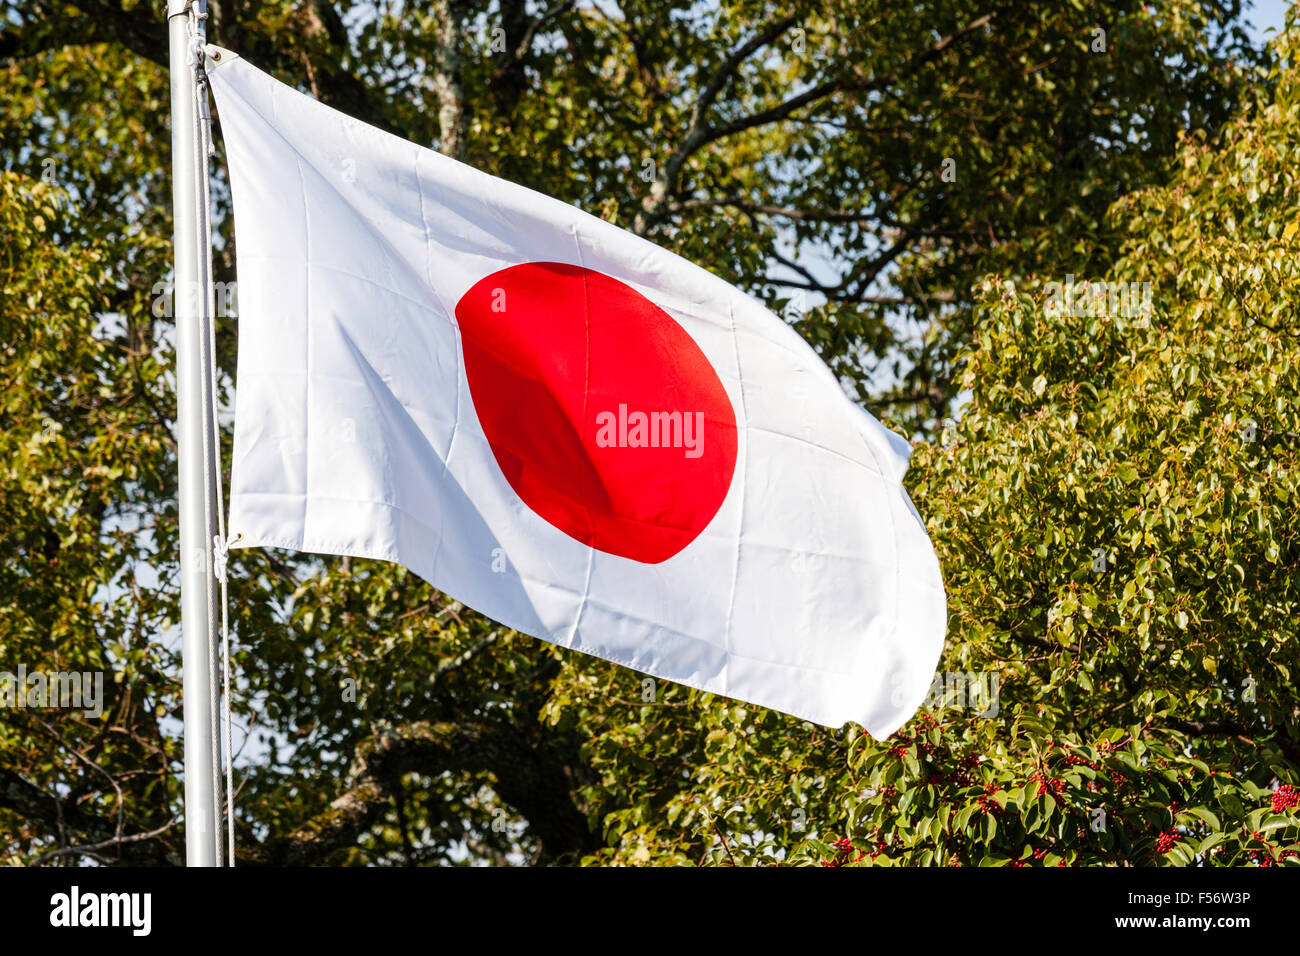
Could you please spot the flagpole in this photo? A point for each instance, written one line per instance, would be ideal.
(195, 454)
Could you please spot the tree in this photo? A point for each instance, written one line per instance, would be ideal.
(1115, 517)
(396, 725)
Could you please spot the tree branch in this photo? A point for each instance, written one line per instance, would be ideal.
(529, 774)
(453, 121)
(700, 133)
(732, 63)
(784, 212)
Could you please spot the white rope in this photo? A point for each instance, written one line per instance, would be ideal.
(220, 543)
(220, 551)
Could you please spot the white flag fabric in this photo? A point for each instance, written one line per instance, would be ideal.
(558, 423)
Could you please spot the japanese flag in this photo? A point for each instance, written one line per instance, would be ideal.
(558, 423)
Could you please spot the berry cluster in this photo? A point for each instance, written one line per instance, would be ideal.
(1167, 841)
(1037, 854)
(987, 804)
(1285, 798)
(844, 850)
(1046, 784)
(1265, 856)
(962, 775)
(899, 749)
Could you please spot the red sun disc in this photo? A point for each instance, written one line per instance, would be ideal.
(604, 415)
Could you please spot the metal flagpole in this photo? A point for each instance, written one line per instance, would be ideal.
(195, 452)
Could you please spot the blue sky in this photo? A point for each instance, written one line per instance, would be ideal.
(1265, 15)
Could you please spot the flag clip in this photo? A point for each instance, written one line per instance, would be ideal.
(197, 50)
(220, 552)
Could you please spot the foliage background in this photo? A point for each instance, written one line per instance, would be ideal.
(798, 150)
